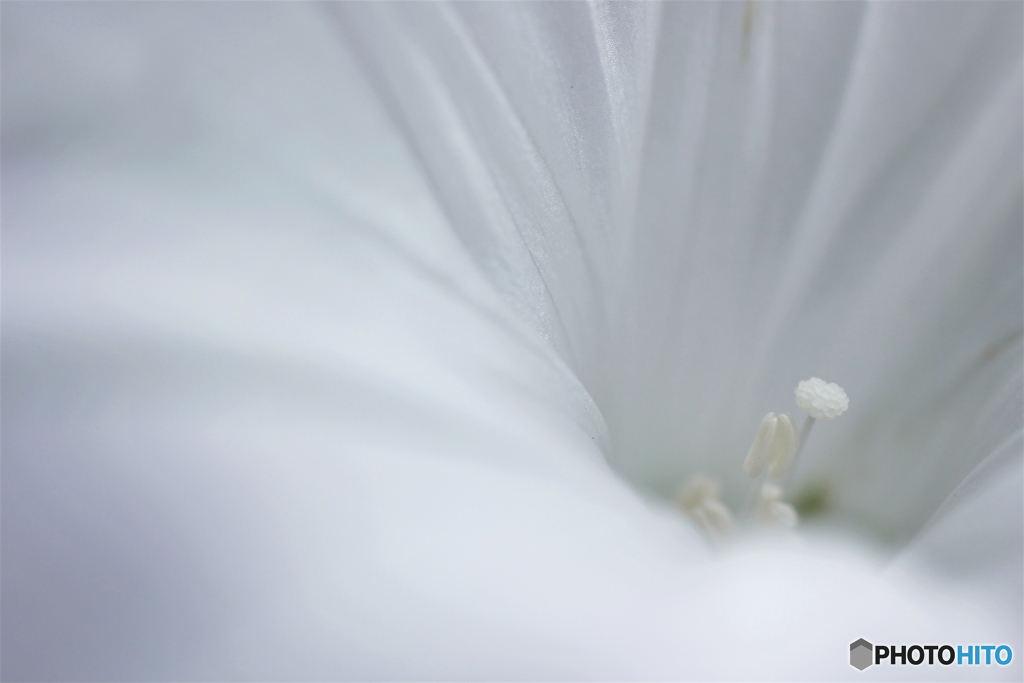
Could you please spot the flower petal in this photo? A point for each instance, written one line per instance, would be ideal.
(973, 541)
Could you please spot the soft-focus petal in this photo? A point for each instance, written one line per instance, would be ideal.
(973, 541)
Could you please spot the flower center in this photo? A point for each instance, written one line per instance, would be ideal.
(769, 462)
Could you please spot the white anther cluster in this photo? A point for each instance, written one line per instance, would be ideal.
(698, 498)
(821, 400)
(771, 510)
(774, 452)
(775, 446)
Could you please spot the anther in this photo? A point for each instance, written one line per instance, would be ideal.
(775, 446)
(698, 498)
(770, 508)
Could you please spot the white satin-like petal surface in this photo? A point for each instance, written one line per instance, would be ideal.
(313, 318)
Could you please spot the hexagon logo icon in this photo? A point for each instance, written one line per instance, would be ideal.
(860, 654)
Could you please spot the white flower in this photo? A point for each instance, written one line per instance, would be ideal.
(368, 341)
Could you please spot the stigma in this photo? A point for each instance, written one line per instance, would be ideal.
(820, 399)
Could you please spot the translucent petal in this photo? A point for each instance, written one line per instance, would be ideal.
(973, 540)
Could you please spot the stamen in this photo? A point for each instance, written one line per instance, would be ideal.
(714, 518)
(698, 498)
(774, 446)
(778, 444)
(772, 511)
(784, 447)
(697, 490)
(758, 454)
(773, 453)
